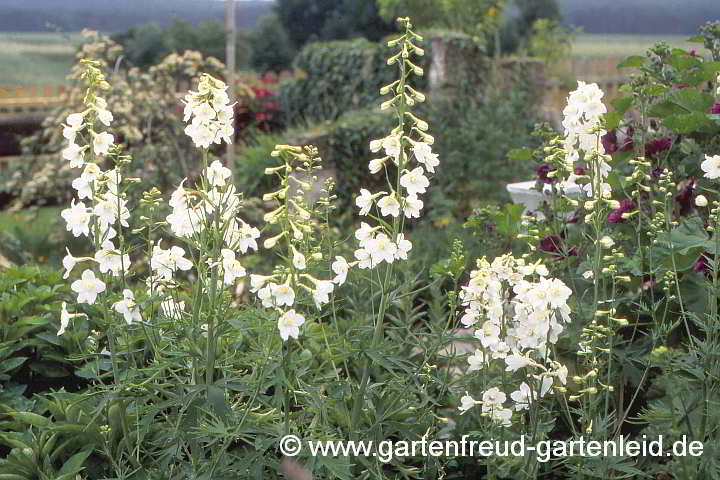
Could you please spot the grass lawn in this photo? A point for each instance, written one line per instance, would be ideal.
(601, 45)
(35, 58)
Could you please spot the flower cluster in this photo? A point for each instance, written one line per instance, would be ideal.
(408, 150)
(583, 135)
(106, 210)
(211, 113)
(519, 312)
(294, 217)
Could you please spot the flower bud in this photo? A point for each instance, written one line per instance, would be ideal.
(701, 201)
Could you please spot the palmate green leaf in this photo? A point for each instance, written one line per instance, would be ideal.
(681, 61)
(688, 241)
(692, 100)
(621, 104)
(687, 123)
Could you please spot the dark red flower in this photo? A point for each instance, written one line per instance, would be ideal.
(692, 53)
(616, 215)
(715, 108)
(554, 244)
(581, 170)
(685, 198)
(542, 172)
(658, 145)
(609, 141)
(702, 265)
(680, 87)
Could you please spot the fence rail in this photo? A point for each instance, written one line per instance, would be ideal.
(22, 99)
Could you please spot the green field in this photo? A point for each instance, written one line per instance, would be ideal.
(33, 59)
(600, 45)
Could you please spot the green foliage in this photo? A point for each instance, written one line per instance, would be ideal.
(308, 21)
(148, 45)
(346, 75)
(271, 46)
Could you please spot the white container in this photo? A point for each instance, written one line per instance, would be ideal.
(524, 193)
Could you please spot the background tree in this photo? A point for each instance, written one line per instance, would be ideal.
(272, 49)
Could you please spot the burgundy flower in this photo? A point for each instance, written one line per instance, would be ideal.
(616, 215)
(542, 172)
(554, 244)
(551, 243)
(692, 53)
(680, 87)
(658, 145)
(715, 108)
(701, 265)
(609, 141)
(579, 170)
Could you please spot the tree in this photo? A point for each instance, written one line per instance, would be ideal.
(312, 20)
(271, 46)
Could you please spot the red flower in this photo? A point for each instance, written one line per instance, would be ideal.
(658, 145)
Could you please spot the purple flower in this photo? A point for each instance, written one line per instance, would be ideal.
(701, 264)
(680, 87)
(715, 108)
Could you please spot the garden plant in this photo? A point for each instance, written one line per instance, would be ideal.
(206, 340)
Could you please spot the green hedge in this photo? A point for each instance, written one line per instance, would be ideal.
(345, 75)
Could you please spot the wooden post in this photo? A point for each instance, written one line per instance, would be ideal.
(230, 64)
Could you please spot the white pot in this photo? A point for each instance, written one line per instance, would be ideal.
(524, 193)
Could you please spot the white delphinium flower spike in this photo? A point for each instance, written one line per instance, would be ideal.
(88, 287)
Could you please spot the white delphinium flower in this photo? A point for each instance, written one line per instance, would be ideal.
(232, 268)
(77, 218)
(84, 184)
(476, 361)
(128, 308)
(258, 281)
(69, 262)
(212, 117)
(65, 318)
(109, 209)
(364, 259)
(322, 291)
(423, 154)
(242, 236)
(412, 207)
(75, 154)
(515, 361)
(415, 181)
(376, 165)
(364, 201)
(265, 295)
(110, 260)
(701, 201)
(102, 143)
(389, 206)
(88, 287)
(403, 247)
(298, 259)
(392, 146)
(283, 294)
(493, 397)
(165, 262)
(186, 222)
(74, 123)
(217, 174)
(711, 166)
(381, 248)
(289, 324)
(364, 233)
(522, 397)
(489, 334)
(466, 403)
(340, 267)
